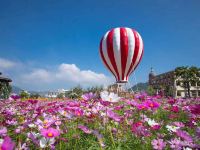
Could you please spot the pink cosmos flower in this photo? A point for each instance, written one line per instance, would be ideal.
(3, 131)
(50, 132)
(198, 132)
(175, 144)
(179, 124)
(158, 144)
(85, 129)
(11, 122)
(7, 144)
(113, 115)
(88, 96)
(184, 135)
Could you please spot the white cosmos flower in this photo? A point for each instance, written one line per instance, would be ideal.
(172, 128)
(1, 141)
(151, 122)
(109, 97)
(32, 125)
(44, 141)
(186, 148)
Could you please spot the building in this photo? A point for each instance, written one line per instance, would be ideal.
(169, 85)
(54, 94)
(4, 79)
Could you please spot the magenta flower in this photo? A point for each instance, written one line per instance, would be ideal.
(195, 109)
(142, 106)
(155, 127)
(139, 130)
(171, 101)
(7, 144)
(158, 144)
(152, 104)
(85, 129)
(78, 112)
(113, 115)
(175, 109)
(15, 97)
(50, 132)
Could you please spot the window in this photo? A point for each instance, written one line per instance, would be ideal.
(178, 83)
(194, 93)
(193, 83)
(198, 93)
(178, 93)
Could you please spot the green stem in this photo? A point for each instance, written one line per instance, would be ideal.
(111, 135)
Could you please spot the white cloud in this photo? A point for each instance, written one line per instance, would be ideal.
(61, 76)
(38, 75)
(64, 74)
(71, 73)
(7, 64)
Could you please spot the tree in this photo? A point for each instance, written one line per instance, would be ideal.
(95, 89)
(76, 92)
(61, 95)
(36, 95)
(5, 90)
(168, 90)
(151, 90)
(187, 76)
(24, 94)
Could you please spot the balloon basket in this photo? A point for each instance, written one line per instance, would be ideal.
(122, 89)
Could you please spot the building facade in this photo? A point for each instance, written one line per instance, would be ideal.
(169, 85)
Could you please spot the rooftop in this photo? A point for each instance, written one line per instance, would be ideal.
(4, 79)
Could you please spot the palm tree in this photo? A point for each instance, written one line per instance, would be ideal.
(188, 75)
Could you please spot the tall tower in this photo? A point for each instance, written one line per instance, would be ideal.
(151, 76)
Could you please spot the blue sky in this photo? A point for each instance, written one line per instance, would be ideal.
(38, 38)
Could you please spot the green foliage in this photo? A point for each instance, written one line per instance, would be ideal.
(76, 92)
(24, 94)
(139, 87)
(151, 90)
(97, 90)
(168, 91)
(61, 95)
(5, 90)
(35, 96)
(188, 75)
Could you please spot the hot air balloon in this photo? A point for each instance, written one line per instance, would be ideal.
(121, 50)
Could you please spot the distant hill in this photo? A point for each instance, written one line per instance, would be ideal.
(16, 89)
(140, 87)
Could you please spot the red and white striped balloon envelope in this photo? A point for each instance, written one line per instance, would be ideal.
(121, 50)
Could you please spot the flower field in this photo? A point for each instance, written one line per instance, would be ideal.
(100, 122)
